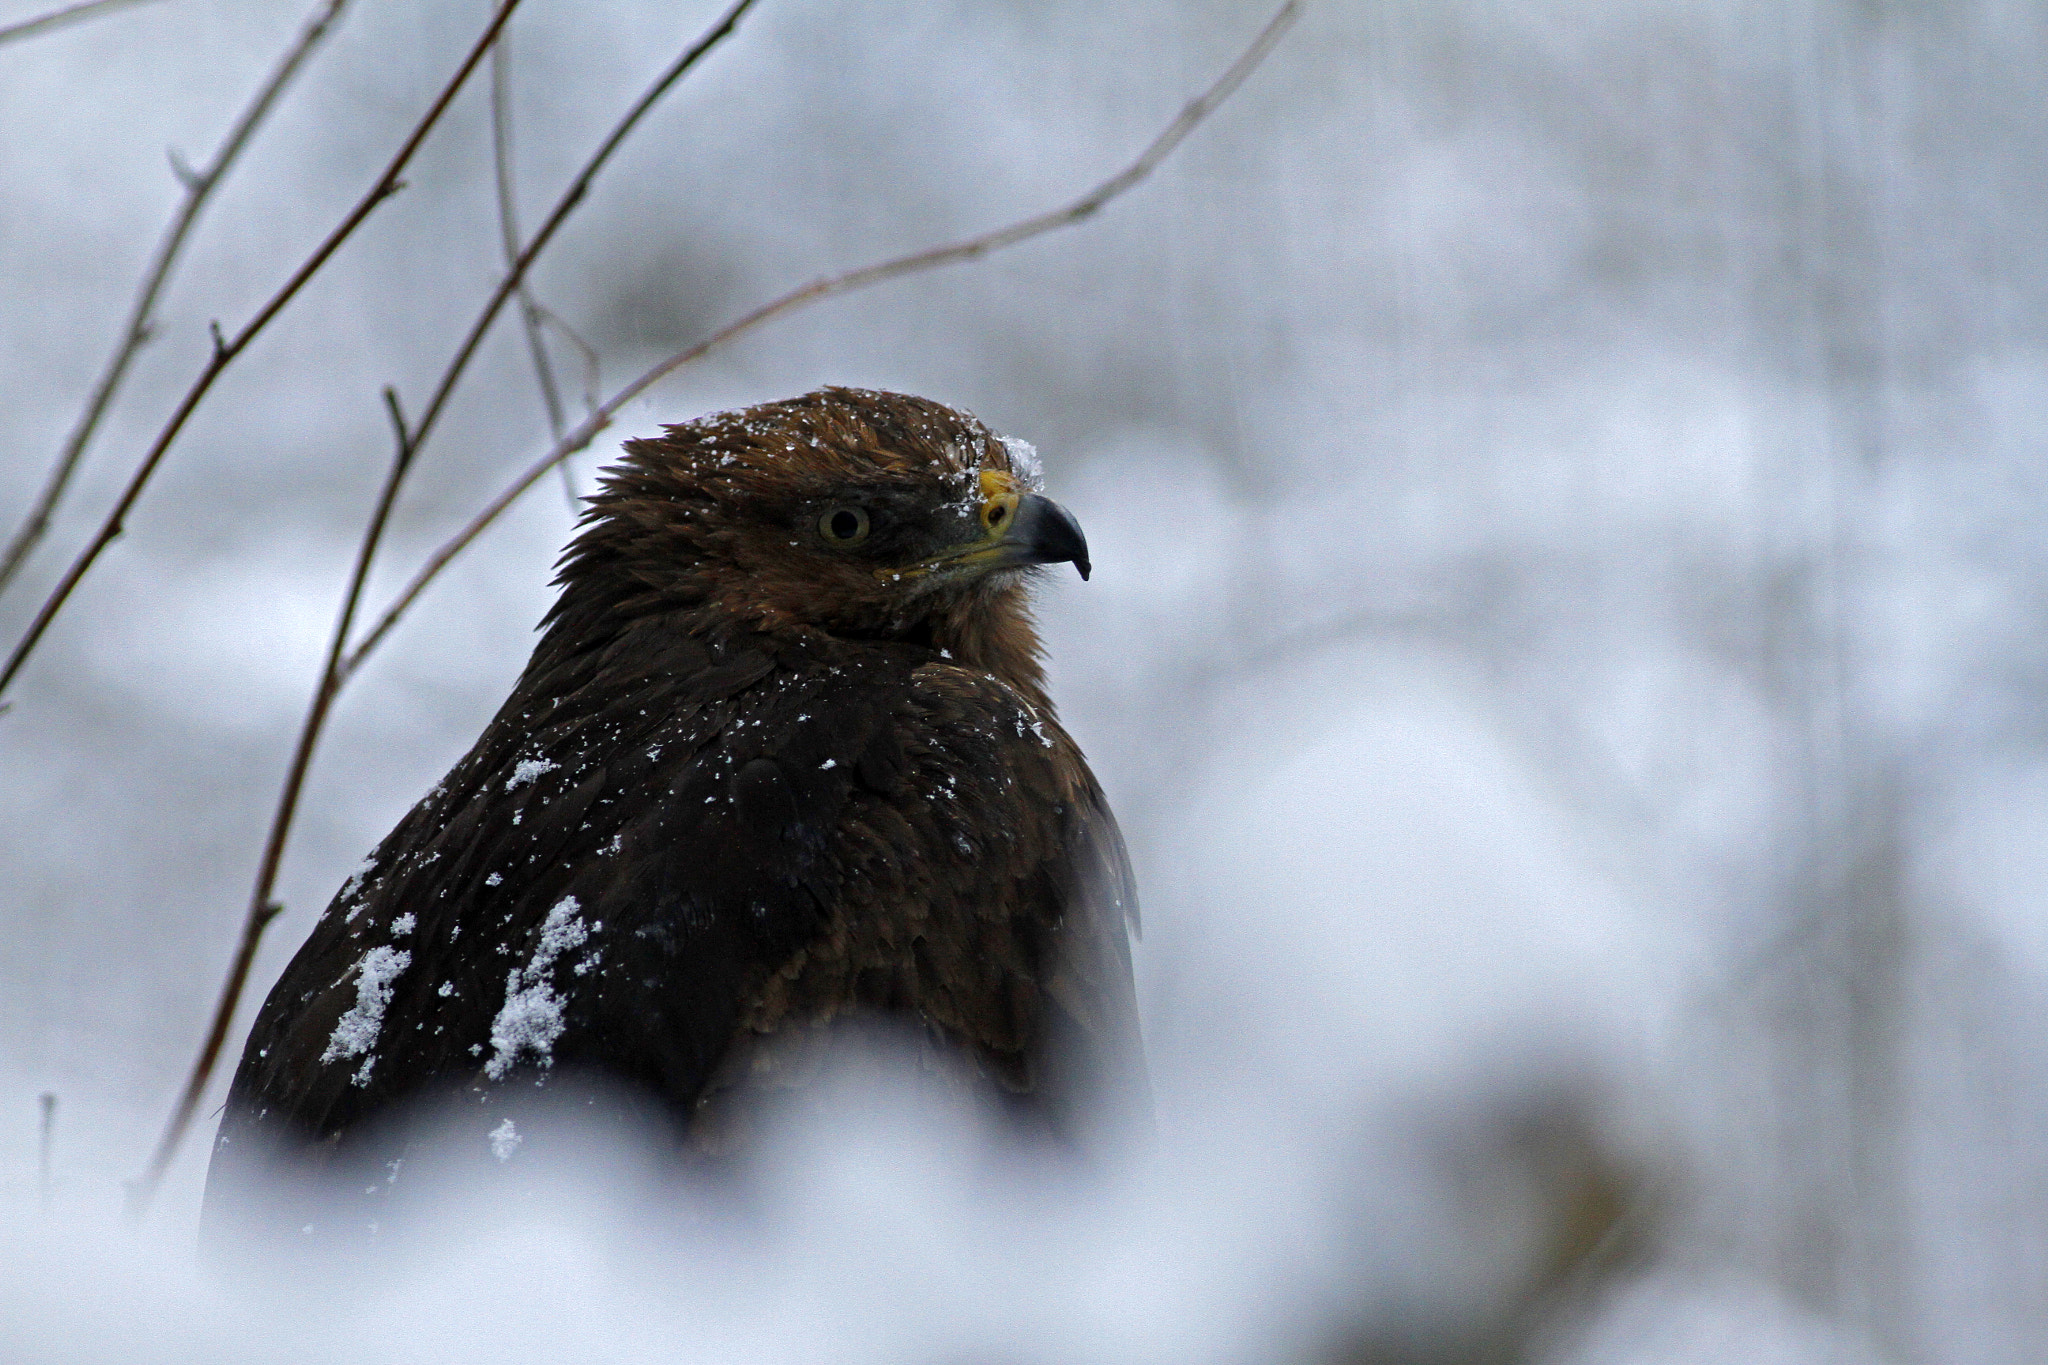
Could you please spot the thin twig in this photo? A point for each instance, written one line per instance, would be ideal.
(225, 349)
(46, 1143)
(574, 195)
(69, 14)
(508, 234)
(409, 436)
(262, 908)
(591, 364)
(587, 431)
(199, 187)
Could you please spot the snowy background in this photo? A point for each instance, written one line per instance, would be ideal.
(1567, 494)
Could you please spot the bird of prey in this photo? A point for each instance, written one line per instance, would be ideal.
(782, 760)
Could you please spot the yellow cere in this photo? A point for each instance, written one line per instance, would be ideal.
(998, 499)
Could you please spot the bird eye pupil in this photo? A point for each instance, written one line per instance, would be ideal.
(844, 525)
(995, 514)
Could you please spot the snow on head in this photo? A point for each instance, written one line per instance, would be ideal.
(356, 1033)
(527, 769)
(530, 1020)
(1024, 463)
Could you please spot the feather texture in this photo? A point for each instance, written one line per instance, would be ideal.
(752, 783)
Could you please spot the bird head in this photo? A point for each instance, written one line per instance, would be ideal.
(859, 513)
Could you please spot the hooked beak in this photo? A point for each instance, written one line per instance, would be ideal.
(1043, 532)
(1017, 529)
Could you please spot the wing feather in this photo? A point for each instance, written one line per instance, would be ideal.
(740, 847)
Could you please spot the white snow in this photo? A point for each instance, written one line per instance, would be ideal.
(356, 1032)
(1024, 463)
(352, 888)
(530, 1020)
(505, 1140)
(403, 925)
(355, 878)
(527, 769)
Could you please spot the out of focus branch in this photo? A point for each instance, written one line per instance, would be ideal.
(585, 432)
(508, 232)
(57, 18)
(199, 187)
(262, 907)
(1595, 1217)
(46, 1143)
(226, 349)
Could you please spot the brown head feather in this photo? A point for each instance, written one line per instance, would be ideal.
(716, 522)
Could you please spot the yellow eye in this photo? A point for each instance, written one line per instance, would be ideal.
(844, 525)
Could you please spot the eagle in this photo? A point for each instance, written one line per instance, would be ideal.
(782, 765)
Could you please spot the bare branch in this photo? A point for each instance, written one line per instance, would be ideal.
(566, 205)
(199, 187)
(585, 432)
(226, 350)
(262, 908)
(508, 233)
(182, 169)
(396, 412)
(591, 364)
(69, 14)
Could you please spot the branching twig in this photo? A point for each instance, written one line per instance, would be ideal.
(227, 349)
(591, 366)
(262, 908)
(57, 18)
(410, 437)
(508, 233)
(199, 187)
(566, 205)
(587, 431)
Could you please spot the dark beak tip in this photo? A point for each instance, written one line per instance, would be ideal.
(1052, 534)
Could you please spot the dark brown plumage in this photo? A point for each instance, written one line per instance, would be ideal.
(782, 758)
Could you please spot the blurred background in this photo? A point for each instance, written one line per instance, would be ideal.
(1567, 490)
